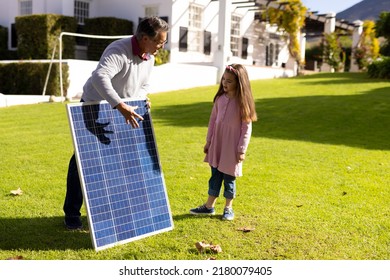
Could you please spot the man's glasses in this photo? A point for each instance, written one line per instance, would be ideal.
(160, 44)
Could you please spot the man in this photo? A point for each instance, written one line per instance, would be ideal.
(123, 72)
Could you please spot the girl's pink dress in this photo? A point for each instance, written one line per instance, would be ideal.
(227, 135)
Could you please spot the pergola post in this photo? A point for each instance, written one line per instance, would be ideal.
(329, 27)
(223, 53)
(357, 32)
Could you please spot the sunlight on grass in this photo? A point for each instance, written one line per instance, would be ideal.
(315, 182)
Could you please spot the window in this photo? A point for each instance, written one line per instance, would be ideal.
(271, 54)
(183, 39)
(207, 42)
(14, 36)
(269, 61)
(195, 17)
(81, 11)
(25, 7)
(195, 32)
(235, 35)
(244, 51)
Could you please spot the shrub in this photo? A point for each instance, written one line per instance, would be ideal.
(3, 38)
(368, 47)
(108, 26)
(334, 54)
(380, 68)
(29, 78)
(382, 29)
(162, 57)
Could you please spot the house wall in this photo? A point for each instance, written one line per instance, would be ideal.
(47, 7)
(263, 54)
(130, 10)
(7, 16)
(9, 10)
(210, 23)
(247, 31)
(178, 16)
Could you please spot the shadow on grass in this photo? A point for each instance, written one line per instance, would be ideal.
(351, 120)
(334, 79)
(190, 216)
(184, 115)
(41, 234)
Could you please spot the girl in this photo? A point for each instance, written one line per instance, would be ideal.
(228, 136)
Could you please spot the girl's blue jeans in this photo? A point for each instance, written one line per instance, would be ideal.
(215, 184)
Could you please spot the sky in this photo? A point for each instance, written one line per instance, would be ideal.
(326, 6)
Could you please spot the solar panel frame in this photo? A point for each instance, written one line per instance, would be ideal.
(120, 173)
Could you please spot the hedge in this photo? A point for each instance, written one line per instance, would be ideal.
(24, 78)
(5, 54)
(38, 35)
(108, 26)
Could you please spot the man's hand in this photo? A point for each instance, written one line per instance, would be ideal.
(129, 114)
(148, 103)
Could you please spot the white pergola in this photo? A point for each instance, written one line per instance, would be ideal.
(328, 20)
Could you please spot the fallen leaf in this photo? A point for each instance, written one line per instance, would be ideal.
(344, 193)
(203, 246)
(246, 229)
(17, 192)
(216, 248)
(15, 258)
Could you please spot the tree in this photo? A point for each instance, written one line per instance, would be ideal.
(367, 49)
(291, 19)
(334, 55)
(382, 28)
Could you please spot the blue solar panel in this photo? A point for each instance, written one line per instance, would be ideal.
(120, 173)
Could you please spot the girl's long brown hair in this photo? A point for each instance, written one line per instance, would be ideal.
(243, 92)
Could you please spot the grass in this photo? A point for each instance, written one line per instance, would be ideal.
(315, 185)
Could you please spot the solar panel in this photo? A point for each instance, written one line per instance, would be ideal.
(120, 173)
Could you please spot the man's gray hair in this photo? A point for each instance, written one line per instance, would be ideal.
(151, 26)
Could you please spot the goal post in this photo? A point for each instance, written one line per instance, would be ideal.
(60, 60)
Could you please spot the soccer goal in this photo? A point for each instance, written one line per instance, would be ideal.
(94, 45)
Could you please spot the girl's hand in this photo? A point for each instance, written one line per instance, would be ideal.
(205, 149)
(241, 157)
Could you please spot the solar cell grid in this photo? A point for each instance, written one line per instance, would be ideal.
(120, 172)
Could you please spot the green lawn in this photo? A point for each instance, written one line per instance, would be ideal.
(315, 185)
